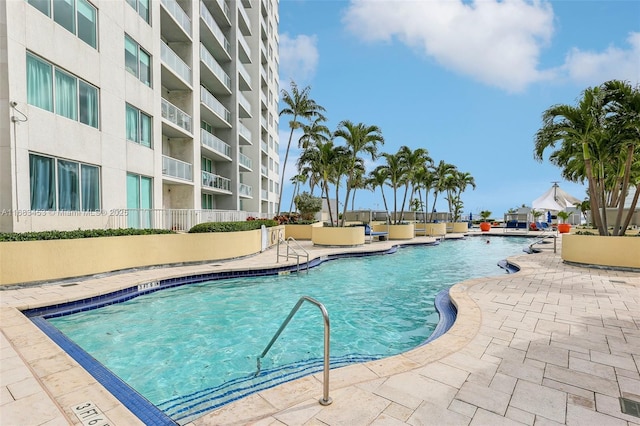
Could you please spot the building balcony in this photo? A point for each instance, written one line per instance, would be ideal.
(264, 194)
(212, 35)
(264, 147)
(178, 169)
(245, 162)
(181, 78)
(218, 115)
(244, 82)
(245, 191)
(245, 134)
(245, 106)
(175, 24)
(244, 49)
(177, 117)
(215, 183)
(264, 171)
(221, 150)
(212, 74)
(244, 23)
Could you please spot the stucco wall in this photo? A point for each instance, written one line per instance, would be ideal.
(338, 236)
(603, 251)
(29, 261)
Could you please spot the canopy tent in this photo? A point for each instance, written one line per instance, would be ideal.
(555, 199)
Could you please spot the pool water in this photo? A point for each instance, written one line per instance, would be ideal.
(193, 348)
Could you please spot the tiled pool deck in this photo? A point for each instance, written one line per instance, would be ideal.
(551, 344)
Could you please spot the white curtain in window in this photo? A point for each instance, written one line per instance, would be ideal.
(66, 95)
(88, 104)
(131, 56)
(90, 188)
(39, 83)
(132, 123)
(68, 186)
(145, 130)
(42, 181)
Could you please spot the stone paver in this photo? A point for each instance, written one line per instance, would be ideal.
(551, 344)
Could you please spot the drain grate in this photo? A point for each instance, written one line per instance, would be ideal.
(69, 285)
(630, 407)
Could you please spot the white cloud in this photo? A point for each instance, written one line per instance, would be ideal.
(496, 42)
(593, 68)
(298, 59)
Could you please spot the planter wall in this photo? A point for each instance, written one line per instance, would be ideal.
(398, 232)
(300, 232)
(32, 261)
(602, 251)
(431, 229)
(338, 236)
(457, 228)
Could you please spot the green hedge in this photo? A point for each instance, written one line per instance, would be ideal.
(248, 225)
(80, 233)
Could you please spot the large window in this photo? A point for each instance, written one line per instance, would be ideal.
(139, 200)
(137, 61)
(78, 16)
(207, 201)
(138, 126)
(55, 90)
(142, 7)
(58, 184)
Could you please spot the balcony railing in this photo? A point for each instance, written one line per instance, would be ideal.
(213, 26)
(175, 219)
(178, 14)
(245, 161)
(176, 168)
(264, 194)
(176, 115)
(242, 100)
(264, 170)
(264, 146)
(245, 74)
(174, 62)
(210, 180)
(244, 131)
(213, 104)
(244, 15)
(244, 189)
(214, 143)
(212, 64)
(244, 44)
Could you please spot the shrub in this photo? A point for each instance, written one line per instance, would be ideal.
(247, 225)
(79, 233)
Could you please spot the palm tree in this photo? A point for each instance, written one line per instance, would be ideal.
(317, 159)
(377, 179)
(441, 172)
(414, 161)
(395, 171)
(298, 179)
(359, 138)
(300, 106)
(462, 181)
(424, 179)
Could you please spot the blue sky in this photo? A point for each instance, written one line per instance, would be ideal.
(467, 80)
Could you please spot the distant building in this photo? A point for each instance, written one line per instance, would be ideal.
(137, 112)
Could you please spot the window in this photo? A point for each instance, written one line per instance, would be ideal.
(142, 7)
(206, 126)
(207, 201)
(64, 185)
(79, 17)
(207, 165)
(137, 61)
(138, 126)
(64, 94)
(139, 199)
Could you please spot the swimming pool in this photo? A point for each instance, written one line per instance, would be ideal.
(191, 357)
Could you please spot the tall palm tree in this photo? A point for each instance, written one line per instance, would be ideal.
(462, 181)
(395, 171)
(297, 180)
(441, 172)
(414, 161)
(359, 139)
(360, 182)
(300, 106)
(581, 132)
(424, 179)
(377, 179)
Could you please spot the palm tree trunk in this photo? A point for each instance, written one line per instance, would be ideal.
(593, 193)
(284, 166)
(632, 209)
(293, 197)
(435, 199)
(623, 191)
(325, 189)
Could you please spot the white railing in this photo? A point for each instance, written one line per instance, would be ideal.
(175, 219)
(242, 100)
(244, 131)
(245, 161)
(244, 43)
(244, 15)
(178, 14)
(214, 143)
(174, 62)
(245, 74)
(212, 64)
(244, 189)
(176, 168)
(213, 27)
(214, 105)
(264, 171)
(176, 115)
(264, 194)
(210, 180)
(225, 8)
(264, 146)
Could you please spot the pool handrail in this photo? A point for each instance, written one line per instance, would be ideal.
(325, 400)
(294, 253)
(543, 236)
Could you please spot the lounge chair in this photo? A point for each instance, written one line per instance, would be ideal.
(368, 232)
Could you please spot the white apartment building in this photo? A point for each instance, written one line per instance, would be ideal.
(137, 113)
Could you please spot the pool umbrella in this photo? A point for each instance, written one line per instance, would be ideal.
(555, 199)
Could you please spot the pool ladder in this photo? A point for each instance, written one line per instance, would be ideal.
(543, 237)
(294, 249)
(325, 400)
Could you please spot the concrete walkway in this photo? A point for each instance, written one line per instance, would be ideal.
(551, 344)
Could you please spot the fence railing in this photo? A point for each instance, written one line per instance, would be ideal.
(175, 219)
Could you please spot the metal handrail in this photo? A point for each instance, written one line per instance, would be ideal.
(293, 251)
(325, 400)
(544, 237)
